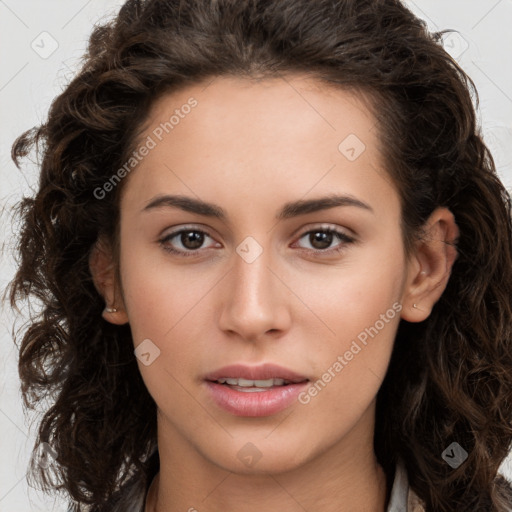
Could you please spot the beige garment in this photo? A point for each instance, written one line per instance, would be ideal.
(414, 504)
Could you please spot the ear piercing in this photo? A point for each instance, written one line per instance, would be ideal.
(415, 306)
(110, 310)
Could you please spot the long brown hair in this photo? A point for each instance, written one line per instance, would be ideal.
(450, 377)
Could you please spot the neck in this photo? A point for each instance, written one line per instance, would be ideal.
(189, 482)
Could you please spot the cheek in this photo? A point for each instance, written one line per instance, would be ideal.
(350, 367)
(361, 312)
(352, 297)
(163, 305)
(170, 305)
(158, 295)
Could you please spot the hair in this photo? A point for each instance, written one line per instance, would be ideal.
(449, 378)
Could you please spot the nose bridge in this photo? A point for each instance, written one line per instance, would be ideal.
(251, 280)
(254, 300)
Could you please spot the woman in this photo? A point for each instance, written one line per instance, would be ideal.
(275, 263)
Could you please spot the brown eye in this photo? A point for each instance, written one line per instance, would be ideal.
(320, 239)
(325, 240)
(186, 242)
(192, 239)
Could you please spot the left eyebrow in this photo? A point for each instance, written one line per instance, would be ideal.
(289, 210)
(302, 207)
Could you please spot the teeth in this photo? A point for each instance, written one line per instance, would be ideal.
(245, 383)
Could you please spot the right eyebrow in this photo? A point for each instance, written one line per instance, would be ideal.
(188, 204)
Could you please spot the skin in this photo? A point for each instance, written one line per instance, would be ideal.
(250, 147)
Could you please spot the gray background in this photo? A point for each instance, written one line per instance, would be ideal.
(41, 42)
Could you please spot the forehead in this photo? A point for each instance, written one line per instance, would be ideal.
(232, 134)
(295, 103)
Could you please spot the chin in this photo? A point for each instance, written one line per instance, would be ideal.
(260, 457)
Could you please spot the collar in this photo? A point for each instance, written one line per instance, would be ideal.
(403, 498)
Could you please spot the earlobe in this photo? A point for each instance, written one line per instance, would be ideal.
(103, 272)
(430, 266)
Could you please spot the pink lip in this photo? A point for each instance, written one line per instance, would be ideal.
(261, 372)
(256, 403)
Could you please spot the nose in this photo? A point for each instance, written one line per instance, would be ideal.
(255, 300)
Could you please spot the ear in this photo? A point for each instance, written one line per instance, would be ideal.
(103, 270)
(430, 266)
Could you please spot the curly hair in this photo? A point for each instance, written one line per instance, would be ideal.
(450, 377)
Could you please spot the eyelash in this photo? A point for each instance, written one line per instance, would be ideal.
(343, 238)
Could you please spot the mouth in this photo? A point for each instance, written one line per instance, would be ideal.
(263, 376)
(255, 391)
(251, 386)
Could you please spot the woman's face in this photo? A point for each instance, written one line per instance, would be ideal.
(259, 228)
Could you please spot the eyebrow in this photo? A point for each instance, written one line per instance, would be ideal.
(289, 210)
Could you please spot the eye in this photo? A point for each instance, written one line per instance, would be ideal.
(321, 240)
(189, 241)
(184, 242)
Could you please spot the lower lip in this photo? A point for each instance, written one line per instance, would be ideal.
(254, 403)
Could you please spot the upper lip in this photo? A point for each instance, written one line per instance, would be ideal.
(260, 372)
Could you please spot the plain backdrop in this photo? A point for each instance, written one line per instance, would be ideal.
(41, 42)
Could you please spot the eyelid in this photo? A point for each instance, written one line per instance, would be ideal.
(174, 230)
(324, 226)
